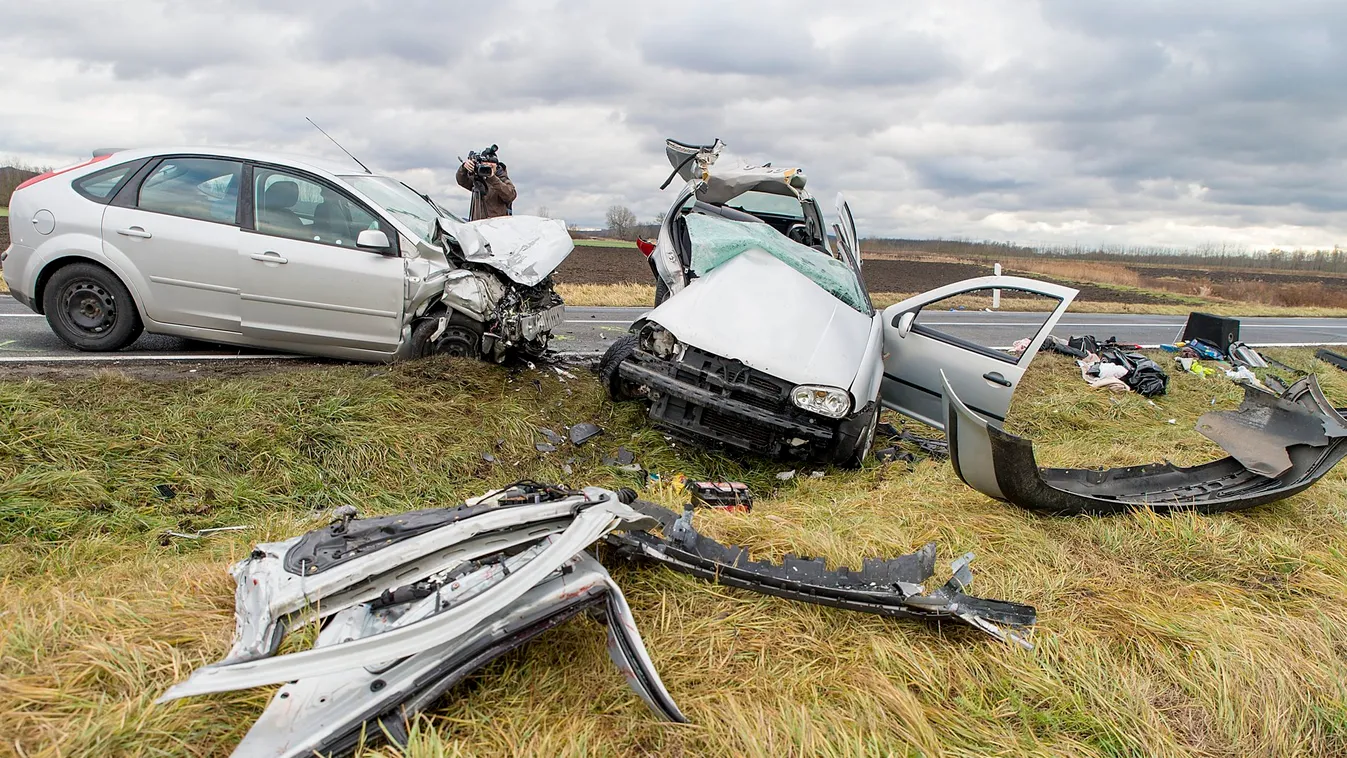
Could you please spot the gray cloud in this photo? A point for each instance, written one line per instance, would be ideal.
(1143, 122)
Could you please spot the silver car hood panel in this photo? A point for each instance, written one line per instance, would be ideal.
(525, 248)
(757, 310)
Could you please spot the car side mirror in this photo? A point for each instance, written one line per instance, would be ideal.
(905, 323)
(372, 239)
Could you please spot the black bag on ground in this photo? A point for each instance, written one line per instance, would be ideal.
(1144, 375)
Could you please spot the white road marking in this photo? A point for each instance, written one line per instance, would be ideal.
(113, 358)
(21, 315)
(598, 321)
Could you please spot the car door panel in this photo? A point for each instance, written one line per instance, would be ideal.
(182, 241)
(312, 293)
(984, 377)
(846, 233)
(302, 278)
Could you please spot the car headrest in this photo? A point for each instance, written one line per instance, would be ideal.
(281, 195)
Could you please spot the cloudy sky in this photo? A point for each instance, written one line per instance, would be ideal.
(1139, 122)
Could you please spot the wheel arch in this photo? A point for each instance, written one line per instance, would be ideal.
(56, 264)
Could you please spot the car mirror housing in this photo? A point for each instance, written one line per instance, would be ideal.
(905, 323)
(372, 239)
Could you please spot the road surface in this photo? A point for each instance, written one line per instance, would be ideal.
(25, 336)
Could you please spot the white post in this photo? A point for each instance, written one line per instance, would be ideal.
(996, 294)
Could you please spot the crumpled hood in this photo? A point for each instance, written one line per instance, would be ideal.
(726, 176)
(758, 310)
(524, 248)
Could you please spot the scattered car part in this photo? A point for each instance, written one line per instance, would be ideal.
(892, 587)
(330, 713)
(1332, 358)
(198, 534)
(584, 432)
(1299, 427)
(734, 496)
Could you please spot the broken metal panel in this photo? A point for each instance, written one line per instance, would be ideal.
(525, 248)
(628, 653)
(473, 293)
(1011, 473)
(892, 587)
(1332, 358)
(595, 520)
(329, 713)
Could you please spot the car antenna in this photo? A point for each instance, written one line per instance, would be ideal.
(339, 147)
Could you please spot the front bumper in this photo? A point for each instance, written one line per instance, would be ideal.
(711, 399)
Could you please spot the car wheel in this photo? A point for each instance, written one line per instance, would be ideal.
(619, 351)
(462, 337)
(90, 309)
(855, 437)
(661, 291)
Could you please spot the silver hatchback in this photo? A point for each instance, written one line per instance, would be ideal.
(275, 252)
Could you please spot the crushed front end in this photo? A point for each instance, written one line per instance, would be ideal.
(707, 399)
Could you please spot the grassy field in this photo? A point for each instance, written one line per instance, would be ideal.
(604, 243)
(4, 211)
(643, 295)
(1179, 636)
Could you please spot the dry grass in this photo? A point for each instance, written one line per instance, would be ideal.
(4, 286)
(623, 295)
(1078, 271)
(1179, 636)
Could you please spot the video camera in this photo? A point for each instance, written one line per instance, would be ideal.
(484, 160)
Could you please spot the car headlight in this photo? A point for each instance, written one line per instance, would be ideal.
(825, 401)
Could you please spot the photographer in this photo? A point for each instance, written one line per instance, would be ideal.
(485, 176)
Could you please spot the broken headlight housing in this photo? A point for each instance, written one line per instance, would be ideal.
(825, 401)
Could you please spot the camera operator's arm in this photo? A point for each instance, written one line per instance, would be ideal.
(500, 187)
(464, 175)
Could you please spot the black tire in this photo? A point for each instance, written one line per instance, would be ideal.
(661, 291)
(90, 309)
(462, 337)
(855, 437)
(621, 349)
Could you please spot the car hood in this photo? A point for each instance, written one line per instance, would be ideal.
(765, 314)
(524, 248)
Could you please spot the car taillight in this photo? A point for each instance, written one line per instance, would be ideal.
(645, 246)
(58, 171)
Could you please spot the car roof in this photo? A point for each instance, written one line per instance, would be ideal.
(322, 165)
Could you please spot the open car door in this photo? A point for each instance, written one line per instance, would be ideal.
(947, 329)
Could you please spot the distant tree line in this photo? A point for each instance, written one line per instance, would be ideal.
(1204, 256)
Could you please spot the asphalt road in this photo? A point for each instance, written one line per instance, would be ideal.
(25, 336)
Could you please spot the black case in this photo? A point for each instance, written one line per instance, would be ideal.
(1218, 330)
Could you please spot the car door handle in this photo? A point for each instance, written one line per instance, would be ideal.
(269, 257)
(135, 231)
(995, 378)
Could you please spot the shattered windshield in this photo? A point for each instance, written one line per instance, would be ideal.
(717, 240)
(398, 199)
(767, 202)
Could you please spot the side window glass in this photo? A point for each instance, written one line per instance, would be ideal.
(100, 184)
(292, 206)
(200, 188)
(954, 320)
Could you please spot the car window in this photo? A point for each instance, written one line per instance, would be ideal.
(955, 319)
(401, 201)
(768, 202)
(288, 205)
(200, 188)
(100, 184)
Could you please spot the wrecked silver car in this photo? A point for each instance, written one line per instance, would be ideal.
(244, 247)
(1278, 446)
(764, 337)
(413, 603)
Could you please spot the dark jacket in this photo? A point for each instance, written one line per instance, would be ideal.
(499, 196)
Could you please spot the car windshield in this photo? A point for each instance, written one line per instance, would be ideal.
(769, 203)
(400, 200)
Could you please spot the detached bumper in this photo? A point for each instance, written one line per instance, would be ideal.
(711, 399)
